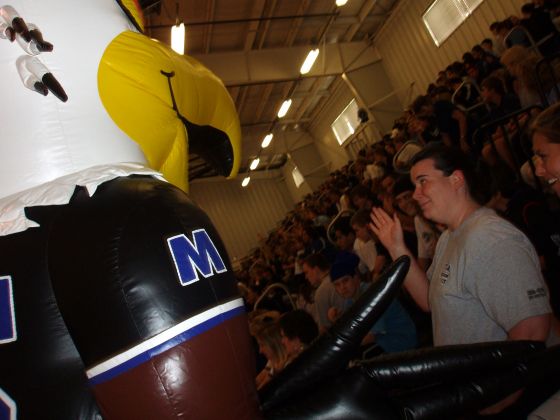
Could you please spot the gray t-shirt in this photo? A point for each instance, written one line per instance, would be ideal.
(326, 297)
(484, 279)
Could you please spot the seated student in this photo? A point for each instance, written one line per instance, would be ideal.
(532, 87)
(270, 344)
(495, 28)
(450, 121)
(314, 240)
(405, 211)
(475, 68)
(488, 45)
(419, 136)
(514, 34)
(465, 91)
(543, 31)
(419, 234)
(258, 319)
(344, 234)
(372, 254)
(489, 59)
(361, 197)
(316, 269)
(500, 103)
(298, 330)
(385, 191)
(421, 237)
(394, 331)
(377, 163)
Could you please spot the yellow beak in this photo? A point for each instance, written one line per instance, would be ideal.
(164, 101)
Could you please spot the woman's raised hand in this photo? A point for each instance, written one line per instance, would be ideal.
(389, 231)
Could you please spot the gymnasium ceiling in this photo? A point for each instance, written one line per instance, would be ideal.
(257, 48)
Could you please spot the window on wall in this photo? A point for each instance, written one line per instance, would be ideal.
(346, 123)
(444, 16)
(297, 176)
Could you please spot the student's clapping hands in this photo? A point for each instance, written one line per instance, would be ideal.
(389, 231)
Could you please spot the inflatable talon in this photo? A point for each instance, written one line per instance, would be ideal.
(54, 86)
(7, 32)
(12, 18)
(39, 42)
(35, 45)
(21, 29)
(28, 35)
(36, 76)
(40, 88)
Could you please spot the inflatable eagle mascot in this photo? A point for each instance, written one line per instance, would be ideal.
(117, 298)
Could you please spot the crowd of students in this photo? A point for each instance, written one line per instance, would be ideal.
(455, 186)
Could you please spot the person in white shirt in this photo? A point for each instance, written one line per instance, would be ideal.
(372, 255)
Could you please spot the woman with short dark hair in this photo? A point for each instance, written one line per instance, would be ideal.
(485, 282)
(479, 254)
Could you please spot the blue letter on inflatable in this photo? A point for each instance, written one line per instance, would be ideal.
(7, 316)
(199, 256)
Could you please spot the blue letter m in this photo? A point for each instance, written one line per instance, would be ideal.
(199, 256)
(7, 314)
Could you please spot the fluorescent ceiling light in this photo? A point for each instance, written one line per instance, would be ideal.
(341, 2)
(309, 61)
(254, 164)
(178, 38)
(266, 141)
(245, 181)
(284, 108)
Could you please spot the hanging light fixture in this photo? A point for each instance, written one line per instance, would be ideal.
(284, 108)
(341, 2)
(245, 181)
(178, 33)
(254, 164)
(178, 38)
(309, 61)
(266, 141)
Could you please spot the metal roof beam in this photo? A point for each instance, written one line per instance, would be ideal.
(281, 64)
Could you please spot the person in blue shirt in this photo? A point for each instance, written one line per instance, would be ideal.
(394, 331)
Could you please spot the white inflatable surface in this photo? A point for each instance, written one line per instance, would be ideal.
(42, 138)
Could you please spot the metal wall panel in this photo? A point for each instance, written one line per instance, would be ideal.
(409, 53)
(240, 214)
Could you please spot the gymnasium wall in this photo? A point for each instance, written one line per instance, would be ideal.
(409, 53)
